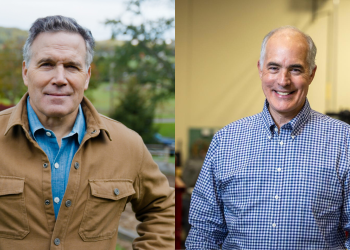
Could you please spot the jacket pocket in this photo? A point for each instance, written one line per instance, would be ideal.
(13, 214)
(106, 201)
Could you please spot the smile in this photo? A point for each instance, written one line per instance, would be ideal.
(284, 93)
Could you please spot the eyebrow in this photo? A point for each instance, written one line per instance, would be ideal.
(296, 66)
(273, 64)
(45, 60)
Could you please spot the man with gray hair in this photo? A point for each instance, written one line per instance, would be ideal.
(67, 172)
(278, 179)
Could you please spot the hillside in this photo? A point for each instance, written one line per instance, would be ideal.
(13, 34)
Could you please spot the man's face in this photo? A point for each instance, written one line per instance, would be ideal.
(56, 76)
(285, 74)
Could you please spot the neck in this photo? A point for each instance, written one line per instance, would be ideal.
(61, 126)
(282, 118)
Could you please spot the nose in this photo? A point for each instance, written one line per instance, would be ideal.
(59, 76)
(284, 78)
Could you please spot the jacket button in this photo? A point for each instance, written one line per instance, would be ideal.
(47, 202)
(76, 165)
(57, 241)
(116, 191)
(68, 203)
(45, 165)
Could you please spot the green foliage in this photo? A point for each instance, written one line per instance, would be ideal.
(146, 55)
(166, 129)
(145, 64)
(136, 111)
(11, 82)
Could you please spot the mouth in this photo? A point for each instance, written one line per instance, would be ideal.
(284, 93)
(56, 94)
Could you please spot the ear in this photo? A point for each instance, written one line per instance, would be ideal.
(313, 74)
(259, 69)
(87, 78)
(25, 73)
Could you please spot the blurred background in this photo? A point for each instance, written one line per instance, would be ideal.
(218, 47)
(133, 71)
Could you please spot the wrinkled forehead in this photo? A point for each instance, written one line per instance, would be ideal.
(60, 41)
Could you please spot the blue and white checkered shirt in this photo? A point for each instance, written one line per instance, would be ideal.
(262, 190)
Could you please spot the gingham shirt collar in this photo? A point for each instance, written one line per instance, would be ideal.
(296, 124)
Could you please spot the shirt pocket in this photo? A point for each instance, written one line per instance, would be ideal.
(106, 201)
(13, 214)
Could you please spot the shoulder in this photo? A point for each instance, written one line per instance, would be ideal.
(6, 112)
(4, 119)
(119, 132)
(230, 137)
(240, 127)
(325, 122)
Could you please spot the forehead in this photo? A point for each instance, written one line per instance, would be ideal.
(287, 46)
(59, 45)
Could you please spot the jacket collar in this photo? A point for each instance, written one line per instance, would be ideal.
(94, 123)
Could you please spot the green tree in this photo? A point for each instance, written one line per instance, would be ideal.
(136, 111)
(11, 82)
(146, 65)
(147, 56)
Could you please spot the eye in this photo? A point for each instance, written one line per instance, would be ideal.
(72, 67)
(46, 65)
(296, 70)
(273, 68)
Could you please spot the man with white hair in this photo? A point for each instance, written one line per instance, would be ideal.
(278, 179)
(67, 172)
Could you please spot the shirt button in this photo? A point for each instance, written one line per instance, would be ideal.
(276, 129)
(293, 136)
(116, 191)
(76, 165)
(57, 241)
(48, 134)
(279, 169)
(281, 142)
(68, 203)
(274, 225)
(57, 165)
(47, 202)
(56, 200)
(277, 197)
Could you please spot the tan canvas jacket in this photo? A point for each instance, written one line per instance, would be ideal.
(111, 167)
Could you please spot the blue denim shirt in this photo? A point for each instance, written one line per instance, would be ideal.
(60, 157)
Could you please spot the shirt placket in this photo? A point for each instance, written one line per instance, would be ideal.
(280, 143)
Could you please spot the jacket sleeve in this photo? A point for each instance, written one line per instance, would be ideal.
(154, 206)
(208, 225)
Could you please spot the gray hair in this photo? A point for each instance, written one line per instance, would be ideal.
(55, 24)
(311, 54)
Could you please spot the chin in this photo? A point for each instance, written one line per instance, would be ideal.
(56, 113)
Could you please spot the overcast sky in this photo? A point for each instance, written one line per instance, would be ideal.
(88, 13)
